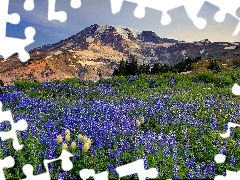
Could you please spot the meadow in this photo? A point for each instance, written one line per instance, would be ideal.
(172, 121)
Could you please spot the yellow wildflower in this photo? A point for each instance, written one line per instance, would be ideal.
(85, 139)
(88, 141)
(138, 123)
(142, 120)
(80, 137)
(67, 132)
(232, 141)
(64, 146)
(86, 147)
(73, 145)
(67, 137)
(59, 139)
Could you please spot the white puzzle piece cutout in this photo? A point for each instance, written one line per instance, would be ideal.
(66, 165)
(7, 162)
(21, 125)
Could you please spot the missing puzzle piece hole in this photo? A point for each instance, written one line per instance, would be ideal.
(200, 23)
(75, 4)
(29, 33)
(236, 89)
(29, 5)
(166, 19)
(219, 16)
(22, 125)
(8, 162)
(27, 170)
(139, 12)
(14, 18)
(220, 158)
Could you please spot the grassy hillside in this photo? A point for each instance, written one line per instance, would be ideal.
(172, 121)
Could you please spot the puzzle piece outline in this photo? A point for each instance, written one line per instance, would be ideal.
(17, 45)
(66, 165)
(21, 125)
(220, 158)
(192, 8)
(7, 162)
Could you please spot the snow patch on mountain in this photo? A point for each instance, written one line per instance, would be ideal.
(122, 30)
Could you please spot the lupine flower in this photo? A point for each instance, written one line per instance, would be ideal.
(75, 178)
(191, 174)
(112, 169)
(223, 151)
(233, 161)
(172, 80)
(197, 172)
(39, 169)
(62, 176)
(75, 157)
(175, 171)
(238, 142)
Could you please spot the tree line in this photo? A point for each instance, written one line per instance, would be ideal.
(131, 67)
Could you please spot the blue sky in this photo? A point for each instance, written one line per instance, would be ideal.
(99, 11)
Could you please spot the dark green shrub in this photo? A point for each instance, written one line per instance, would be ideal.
(26, 84)
(213, 66)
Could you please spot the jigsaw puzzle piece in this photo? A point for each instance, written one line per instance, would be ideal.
(192, 8)
(7, 162)
(28, 171)
(227, 7)
(87, 173)
(5, 17)
(220, 158)
(60, 15)
(236, 89)
(160, 5)
(137, 167)
(21, 125)
(17, 45)
(229, 175)
(66, 165)
(53, 15)
(163, 6)
(230, 125)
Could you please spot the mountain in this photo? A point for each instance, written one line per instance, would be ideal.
(94, 52)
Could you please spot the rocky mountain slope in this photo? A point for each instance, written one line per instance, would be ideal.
(94, 52)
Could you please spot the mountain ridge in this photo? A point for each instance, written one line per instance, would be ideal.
(96, 51)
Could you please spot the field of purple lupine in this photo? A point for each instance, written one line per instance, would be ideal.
(173, 122)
